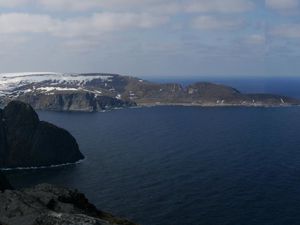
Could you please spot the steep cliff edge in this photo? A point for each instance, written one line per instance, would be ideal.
(25, 141)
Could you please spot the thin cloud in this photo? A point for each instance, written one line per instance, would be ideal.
(13, 3)
(160, 6)
(13, 23)
(215, 23)
(91, 5)
(282, 5)
(287, 31)
(255, 39)
(224, 6)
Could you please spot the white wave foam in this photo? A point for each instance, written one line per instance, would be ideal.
(42, 167)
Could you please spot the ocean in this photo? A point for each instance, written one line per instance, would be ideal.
(184, 165)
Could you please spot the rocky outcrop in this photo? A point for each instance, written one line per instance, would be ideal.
(47, 204)
(50, 205)
(28, 142)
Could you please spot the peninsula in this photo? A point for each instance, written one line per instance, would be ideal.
(97, 91)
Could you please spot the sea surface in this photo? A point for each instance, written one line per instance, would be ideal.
(184, 165)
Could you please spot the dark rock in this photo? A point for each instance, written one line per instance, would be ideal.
(50, 205)
(52, 145)
(4, 183)
(28, 142)
(67, 219)
(20, 122)
(3, 142)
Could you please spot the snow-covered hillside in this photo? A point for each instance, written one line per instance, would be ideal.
(48, 81)
(66, 91)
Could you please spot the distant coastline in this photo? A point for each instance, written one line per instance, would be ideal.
(97, 92)
(208, 105)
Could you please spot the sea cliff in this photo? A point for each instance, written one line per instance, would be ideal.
(25, 141)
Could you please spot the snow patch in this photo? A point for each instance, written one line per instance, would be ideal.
(11, 81)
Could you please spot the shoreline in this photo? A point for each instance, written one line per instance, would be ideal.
(200, 105)
(208, 105)
(42, 167)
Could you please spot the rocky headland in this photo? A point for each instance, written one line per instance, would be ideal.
(98, 92)
(25, 141)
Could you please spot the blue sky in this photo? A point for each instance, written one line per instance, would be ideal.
(169, 38)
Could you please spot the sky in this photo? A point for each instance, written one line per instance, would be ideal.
(159, 38)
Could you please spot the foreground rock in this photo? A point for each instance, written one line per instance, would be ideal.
(25, 141)
(50, 205)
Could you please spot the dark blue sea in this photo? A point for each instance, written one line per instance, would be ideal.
(184, 165)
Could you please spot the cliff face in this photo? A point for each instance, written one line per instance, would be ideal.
(74, 101)
(28, 142)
